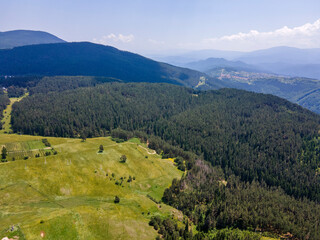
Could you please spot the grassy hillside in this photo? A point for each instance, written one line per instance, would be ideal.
(71, 195)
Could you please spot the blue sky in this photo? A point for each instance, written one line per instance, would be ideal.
(147, 26)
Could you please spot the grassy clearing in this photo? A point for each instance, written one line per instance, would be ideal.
(6, 126)
(70, 195)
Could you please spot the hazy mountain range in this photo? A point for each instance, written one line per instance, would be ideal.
(218, 63)
(290, 61)
(18, 38)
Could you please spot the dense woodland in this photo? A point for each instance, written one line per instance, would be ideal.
(63, 83)
(266, 148)
(19, 81)
(212, 203)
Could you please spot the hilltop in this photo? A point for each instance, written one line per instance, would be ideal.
(17, 38)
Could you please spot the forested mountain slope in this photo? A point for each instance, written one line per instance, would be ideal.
(256, 136)
(88, 59)
(260, 142)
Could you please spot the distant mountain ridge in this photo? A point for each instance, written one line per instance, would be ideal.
(217, 63)
(17, 38)
(282, 54)
(194, 56)
(89, 59)
(294, 62)
(290, 61)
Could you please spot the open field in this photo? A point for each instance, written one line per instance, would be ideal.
(71, 195)
(27, 149)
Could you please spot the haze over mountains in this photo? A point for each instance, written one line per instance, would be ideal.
(16, 38)
(218, 63)
(289, 61)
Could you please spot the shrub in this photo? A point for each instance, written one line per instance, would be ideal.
(101, 148)
(123, 158)
(116, 199)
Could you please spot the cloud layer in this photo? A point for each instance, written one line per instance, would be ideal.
(113, 38)
(305, 36)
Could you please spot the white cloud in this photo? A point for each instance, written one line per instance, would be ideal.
(305, 36)
(112, 38)
(156, 42)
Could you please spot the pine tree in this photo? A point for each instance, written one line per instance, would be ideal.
(101, 148)
(4, 153)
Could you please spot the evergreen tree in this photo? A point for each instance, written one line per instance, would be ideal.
(101, 148)
(4, 153)
(116, 199)
(123, 158)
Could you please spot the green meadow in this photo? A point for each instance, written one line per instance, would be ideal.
(6, 127)
(70, 195)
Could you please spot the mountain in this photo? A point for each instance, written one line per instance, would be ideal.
(88, 59)
(290, 61)
(18, 38)
(282, 55)
(216, 63)
(193, 56)
(294, 70)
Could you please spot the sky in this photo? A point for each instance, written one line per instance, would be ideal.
(170, 26)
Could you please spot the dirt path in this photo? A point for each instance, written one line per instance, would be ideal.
(7, 115)
(152, 152)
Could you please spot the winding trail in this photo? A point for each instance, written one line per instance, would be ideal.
(152, 152)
